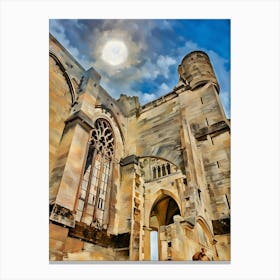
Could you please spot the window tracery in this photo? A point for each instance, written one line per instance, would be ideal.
(94, 189)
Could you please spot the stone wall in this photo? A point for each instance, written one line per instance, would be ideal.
(177, 146)
(158, 130)
(66, 248)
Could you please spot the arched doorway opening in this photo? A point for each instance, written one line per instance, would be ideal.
(162, 213)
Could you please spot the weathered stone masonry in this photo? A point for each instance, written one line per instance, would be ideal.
(120, 171)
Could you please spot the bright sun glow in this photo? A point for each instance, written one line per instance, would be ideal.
(114, 52)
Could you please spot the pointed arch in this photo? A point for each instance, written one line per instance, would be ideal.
(95, 188)
(206, 228)
(161, 158)
(109, 112)
(161, 194)
(65, 74)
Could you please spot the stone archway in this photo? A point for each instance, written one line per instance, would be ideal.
(161, 214)
(163, 211)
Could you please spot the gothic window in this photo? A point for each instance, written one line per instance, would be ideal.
(168, 168)
(159, 171)
(163, 170)
(154, 173)
(94, 189)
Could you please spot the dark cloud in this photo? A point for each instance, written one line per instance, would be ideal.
(155, 47)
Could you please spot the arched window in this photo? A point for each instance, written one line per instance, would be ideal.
(163, 170)
(94, 190)
(154, 173)
(159, 171)
(168, 168)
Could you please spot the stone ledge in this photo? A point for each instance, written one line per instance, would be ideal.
(81, 118)
(215, 128)
(132, 159)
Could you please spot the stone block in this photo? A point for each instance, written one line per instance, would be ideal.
(56, 245)
(132, 159)
(58, 232)
(73, 245)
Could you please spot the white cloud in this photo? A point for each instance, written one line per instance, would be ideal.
(163, 89)
(191, 46)
(165, 25)
(142, 64)
(148, 70)
(148, 97)
(58, 31)
(103, 37)
(139, 66)
(164, 62)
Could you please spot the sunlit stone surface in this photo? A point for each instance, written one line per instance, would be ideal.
(137, 182)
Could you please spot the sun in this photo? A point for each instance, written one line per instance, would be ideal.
(115, 52)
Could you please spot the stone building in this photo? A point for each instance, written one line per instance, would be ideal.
(121, 172)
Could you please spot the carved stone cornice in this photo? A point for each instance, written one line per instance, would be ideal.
(81, 118)
(132, 159)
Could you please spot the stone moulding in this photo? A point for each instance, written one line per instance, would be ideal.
(214, 128)
(99, 236)
(65, 74)
(112, 115)
(132, 159)
(81, 117)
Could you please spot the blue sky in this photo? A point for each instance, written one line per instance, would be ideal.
(154, 245)
(155, 49)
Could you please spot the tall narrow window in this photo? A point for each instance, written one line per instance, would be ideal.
(154, 173)
(163, 170)
(159, 171)
(94, 189)
(199, 191)
(168, 168)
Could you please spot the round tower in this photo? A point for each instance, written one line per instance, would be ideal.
(196, 70)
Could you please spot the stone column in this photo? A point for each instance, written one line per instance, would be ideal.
(131, 209)
(163, 243)
(108, 196)
(147, 243)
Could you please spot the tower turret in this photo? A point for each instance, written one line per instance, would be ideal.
(196, 70)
